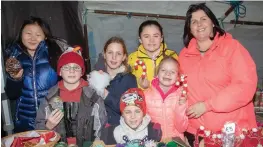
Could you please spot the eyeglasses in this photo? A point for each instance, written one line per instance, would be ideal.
(68, 68)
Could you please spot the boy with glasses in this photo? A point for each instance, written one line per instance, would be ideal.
(72, 108)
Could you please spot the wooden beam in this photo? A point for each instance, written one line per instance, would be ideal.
(246, 22)
(140, 14)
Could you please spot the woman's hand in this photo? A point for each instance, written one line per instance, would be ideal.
(54, 119)
(196, 110)
(144, 83)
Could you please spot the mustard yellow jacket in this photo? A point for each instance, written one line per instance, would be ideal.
(151, 64)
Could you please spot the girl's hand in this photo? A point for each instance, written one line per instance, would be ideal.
(101, 72)
(144, 83)
(196, 110)
(14, 68)
(18, 75)
(106, 92)
(182, 100)
(54, 119)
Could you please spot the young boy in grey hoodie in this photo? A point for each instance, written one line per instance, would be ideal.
(135, 124)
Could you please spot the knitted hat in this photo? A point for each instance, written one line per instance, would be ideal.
(133, 97)
(71, 55)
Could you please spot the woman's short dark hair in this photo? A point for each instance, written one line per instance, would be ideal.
(187, 30)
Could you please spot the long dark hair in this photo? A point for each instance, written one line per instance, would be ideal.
(54, 50)
(187, 30)
(156, 23)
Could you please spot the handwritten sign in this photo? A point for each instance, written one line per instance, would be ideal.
(230, 128)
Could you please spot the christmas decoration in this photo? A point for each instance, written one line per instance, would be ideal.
(13, 66)
(231, 136)
(142, 64)
(56, 103)
(31, 138)
(183, 83)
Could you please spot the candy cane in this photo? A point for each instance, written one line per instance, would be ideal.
(183, 82)
(142, 64)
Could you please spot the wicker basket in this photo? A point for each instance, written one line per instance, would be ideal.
(50, 144)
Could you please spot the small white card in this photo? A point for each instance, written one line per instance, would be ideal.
(230, 128)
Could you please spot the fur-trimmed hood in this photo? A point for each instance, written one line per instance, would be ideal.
(99, 81)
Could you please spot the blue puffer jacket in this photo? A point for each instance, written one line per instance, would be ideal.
(118, 85)
(37, 78)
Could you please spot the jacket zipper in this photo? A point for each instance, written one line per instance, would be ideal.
(34, 77)
(34, 82)
(154, 61)
(19, 53)
(164, 114)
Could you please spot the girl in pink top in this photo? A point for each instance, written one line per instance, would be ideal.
(164, 102)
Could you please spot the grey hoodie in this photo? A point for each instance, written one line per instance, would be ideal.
(123, 133)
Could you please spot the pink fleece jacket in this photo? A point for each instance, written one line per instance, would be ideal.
(165, 110)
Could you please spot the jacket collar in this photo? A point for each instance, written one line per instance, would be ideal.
(82, 83)
(87, 91)
(143, 54)
(155, 84)
(17, 49)
(192, 47)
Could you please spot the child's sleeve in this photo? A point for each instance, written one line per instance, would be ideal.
(41, 116)
(100, 117)
(107, 135)
(181, 121)
(113, 99)
(155, 132)
(13, 87)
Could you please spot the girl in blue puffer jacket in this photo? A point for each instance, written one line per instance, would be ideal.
(37, 54)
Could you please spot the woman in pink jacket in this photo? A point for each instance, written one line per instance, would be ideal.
(221, 74)
(165, 102)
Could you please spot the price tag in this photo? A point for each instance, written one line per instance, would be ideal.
(229, 128)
